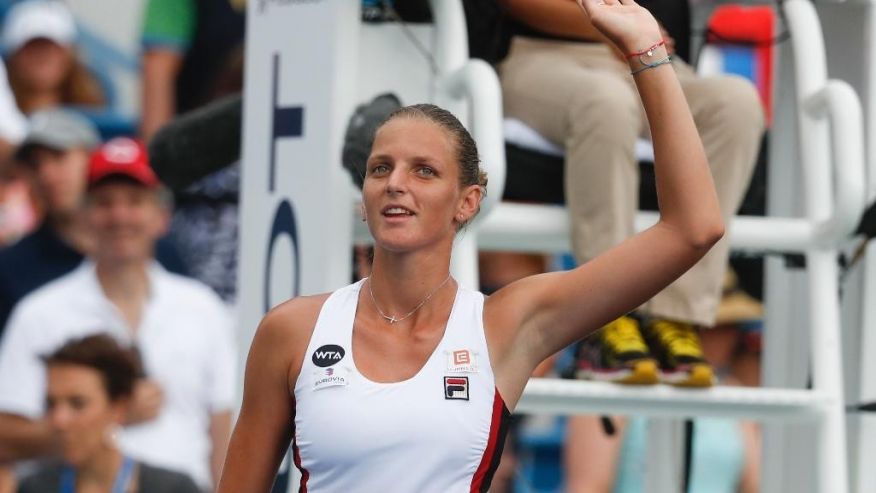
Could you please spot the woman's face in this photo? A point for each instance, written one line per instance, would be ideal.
(80, 412)
(41, 64)
(411, 195)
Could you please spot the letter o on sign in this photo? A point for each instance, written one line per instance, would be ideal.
(284, 224)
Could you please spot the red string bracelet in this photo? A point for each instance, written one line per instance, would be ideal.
(648, 51)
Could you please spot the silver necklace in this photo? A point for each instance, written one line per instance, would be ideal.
(393, 319)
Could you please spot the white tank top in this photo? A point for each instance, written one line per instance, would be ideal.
(441, 431)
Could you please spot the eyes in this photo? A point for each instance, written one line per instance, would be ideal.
(382, 169)
(425, 171)
(76, 402)
(379, 169)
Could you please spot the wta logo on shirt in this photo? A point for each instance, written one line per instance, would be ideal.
(327, 355)
(456, 388)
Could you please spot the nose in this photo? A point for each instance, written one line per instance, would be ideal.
(118, 212)
(49, 171)
(397, 181)
(60, 417)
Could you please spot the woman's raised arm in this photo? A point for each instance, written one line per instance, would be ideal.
(551, 311)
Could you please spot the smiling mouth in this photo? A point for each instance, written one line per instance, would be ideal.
(397, 212)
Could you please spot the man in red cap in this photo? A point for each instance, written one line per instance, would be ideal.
(54, 157)
(181, 410)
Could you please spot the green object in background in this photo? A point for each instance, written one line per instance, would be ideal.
(169, 23)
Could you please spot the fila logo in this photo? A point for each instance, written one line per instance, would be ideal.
(327, 355)
(456, 388)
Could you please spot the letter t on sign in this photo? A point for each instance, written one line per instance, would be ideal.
(287, 122)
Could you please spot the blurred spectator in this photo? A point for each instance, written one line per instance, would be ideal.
(17, 215)
(44, 71)
(13, 125)
(193, 54)
(55, 156)
(725, 454)
(562, 80)
(90, 383)
(180, 327)
(205, 228)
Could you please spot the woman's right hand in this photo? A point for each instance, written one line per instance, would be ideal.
(146, 402)
(629, 26)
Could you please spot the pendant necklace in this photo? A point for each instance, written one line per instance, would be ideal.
(392, 319)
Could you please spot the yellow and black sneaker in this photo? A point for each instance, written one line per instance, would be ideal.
(616, 353)
(677, 347)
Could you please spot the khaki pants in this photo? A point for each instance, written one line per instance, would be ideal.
(580, 96)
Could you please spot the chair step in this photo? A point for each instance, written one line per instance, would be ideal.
(557, 396)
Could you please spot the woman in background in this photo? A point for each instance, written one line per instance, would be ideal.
(44, 71)
(90, 381)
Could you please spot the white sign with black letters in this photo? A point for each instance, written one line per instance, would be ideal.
(295, 216)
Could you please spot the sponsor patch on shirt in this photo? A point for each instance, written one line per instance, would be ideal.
(327, 355)
(462, 361)
(330, 377)
(456, 388)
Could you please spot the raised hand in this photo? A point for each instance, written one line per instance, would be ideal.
(146, 402)
(629, 26)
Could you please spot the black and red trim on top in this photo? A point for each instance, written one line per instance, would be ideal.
(296, 455)
(483, 476)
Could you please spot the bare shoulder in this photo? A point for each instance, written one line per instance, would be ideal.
(291, 318)
(283, 334)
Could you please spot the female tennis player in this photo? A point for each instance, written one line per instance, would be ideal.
(403, 382)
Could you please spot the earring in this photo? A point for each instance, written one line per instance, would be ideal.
(111, 434)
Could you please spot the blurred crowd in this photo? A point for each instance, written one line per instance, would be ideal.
(117, 355)
(117, 295)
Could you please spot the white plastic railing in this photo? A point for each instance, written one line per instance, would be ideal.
(476, 81)
(838, 102)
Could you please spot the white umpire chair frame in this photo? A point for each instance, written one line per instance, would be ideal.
(829, 123)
